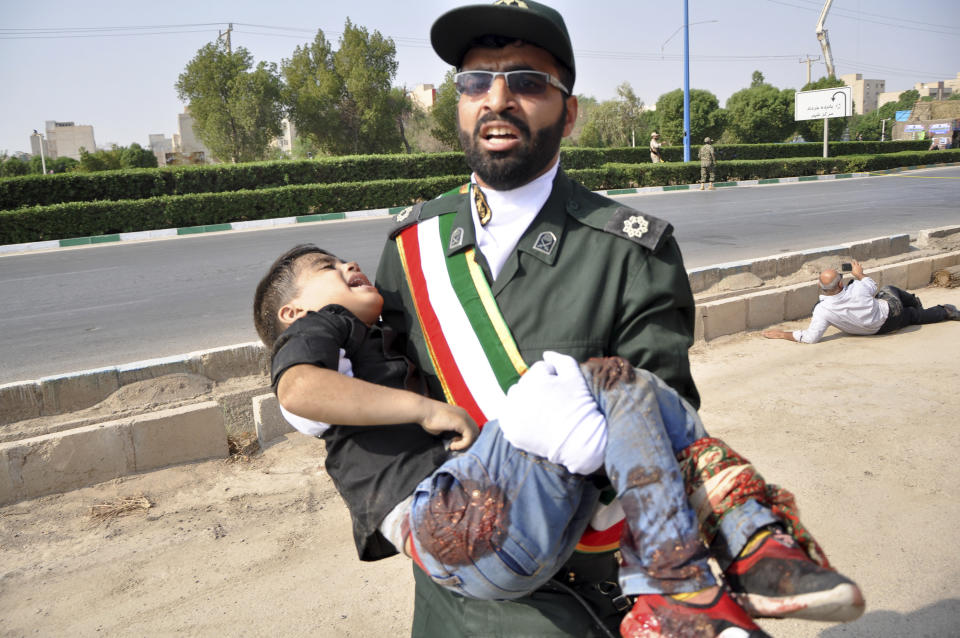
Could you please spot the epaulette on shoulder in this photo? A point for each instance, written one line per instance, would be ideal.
(607, 215)
(425, 210)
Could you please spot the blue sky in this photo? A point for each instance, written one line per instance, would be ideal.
(121, 81)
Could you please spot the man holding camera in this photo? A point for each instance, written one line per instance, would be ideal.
(858, 308)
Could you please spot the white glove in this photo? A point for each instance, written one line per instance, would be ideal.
(551, 413)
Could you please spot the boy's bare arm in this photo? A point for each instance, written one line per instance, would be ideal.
(325, 395)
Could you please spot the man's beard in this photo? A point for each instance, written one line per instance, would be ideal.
(506, 170)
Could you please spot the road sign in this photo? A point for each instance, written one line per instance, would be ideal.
(823, 103)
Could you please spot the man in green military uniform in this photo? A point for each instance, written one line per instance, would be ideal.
(708, 163)
(569, 270)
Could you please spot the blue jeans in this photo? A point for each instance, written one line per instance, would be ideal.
(496, 522)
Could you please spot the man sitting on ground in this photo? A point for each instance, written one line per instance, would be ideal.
(858, 309)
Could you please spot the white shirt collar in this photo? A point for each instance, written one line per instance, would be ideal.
(512, 212)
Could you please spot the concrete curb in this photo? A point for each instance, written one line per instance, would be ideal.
(785, 264)
(383, 212)
(67, 460)
(53, 395)
(80, 456)
(760, 309)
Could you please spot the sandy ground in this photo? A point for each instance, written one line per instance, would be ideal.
(863, 430)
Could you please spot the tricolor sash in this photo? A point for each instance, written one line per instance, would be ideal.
(465, 331)
(460, 319)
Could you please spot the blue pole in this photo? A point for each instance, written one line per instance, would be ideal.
(686, 83)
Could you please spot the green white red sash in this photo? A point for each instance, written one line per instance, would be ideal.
(461, 322)
(465, 331)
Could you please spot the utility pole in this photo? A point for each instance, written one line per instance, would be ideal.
(808, 61)
(221, 34)
(43, 162)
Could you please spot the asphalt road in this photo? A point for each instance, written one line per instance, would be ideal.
(73, 309)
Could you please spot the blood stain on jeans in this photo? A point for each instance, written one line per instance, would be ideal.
(608, 371)
(678, 563)
(639, 477)
(464, 522)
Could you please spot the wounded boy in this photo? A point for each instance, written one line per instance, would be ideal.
(493, 520)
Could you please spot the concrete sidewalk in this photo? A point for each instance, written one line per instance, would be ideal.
(49, 455)
(864, 431)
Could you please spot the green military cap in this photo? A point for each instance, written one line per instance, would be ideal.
(525, 20)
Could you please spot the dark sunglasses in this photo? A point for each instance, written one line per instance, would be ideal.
(475, 83)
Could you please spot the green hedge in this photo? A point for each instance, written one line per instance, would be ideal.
(181, 180)
(803, 149)
(32, 190)
(86, 219)
(673, 173)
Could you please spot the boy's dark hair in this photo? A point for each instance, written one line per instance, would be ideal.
(276, 288)
(491, 41)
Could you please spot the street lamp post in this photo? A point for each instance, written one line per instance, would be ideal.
(43, 162)
(686, 74)
(883, 129)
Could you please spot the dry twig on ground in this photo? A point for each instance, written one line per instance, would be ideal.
(242, 446)
(119, 506)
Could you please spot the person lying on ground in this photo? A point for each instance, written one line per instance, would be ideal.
(858, 308)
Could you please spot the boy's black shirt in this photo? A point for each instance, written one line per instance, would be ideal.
(373, 467)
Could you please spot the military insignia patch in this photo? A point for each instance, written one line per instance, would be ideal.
(512, 3)
(545, 243)
(640, 228)
(406, 217)
(636, 226)
(456, 238)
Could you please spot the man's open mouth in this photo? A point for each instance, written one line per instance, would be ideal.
(499, 133)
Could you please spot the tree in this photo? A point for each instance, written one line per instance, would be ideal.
(586, 105)
(342, 100)
(602, 128)
(870, 125)
(905, 102)
(706, 117)
(617, 122)
(761, 113)
(236, 108)
(98, 161)
(135, 156)
(402, 106)
(12, 166)
(443, 114)
(812, 130)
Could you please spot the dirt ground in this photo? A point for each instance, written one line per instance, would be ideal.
(864, 430)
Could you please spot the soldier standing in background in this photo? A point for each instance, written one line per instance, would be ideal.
(708, 163)
(655, 148)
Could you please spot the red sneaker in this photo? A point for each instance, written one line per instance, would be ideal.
(774, 578)
(656, 616)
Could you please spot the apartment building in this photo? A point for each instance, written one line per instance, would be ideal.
(287, 136)
(65, 139)
(423, 96)
(865, 92)
(160, 145)
(187, 147)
